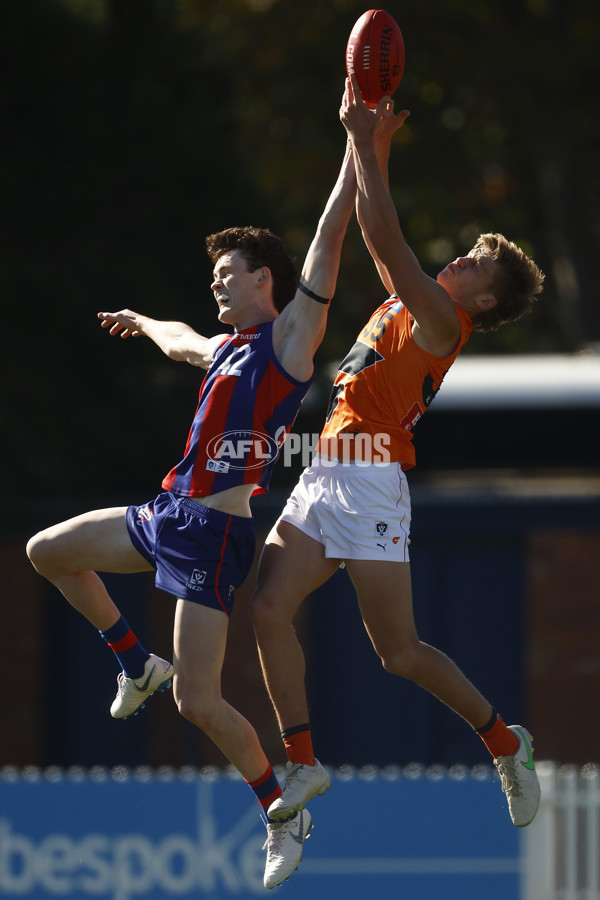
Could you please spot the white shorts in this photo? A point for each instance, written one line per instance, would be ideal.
(355, 511)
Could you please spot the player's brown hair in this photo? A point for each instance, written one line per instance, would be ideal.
(259, 247)
(516, 284)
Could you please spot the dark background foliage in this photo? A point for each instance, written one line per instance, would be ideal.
(132, 130)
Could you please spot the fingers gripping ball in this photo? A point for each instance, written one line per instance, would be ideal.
(375, 54)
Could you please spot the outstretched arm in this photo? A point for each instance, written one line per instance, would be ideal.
(176, 339)
(299, 330)
(386, 126)
(431, 307)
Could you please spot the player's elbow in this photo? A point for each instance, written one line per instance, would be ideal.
(180, 352)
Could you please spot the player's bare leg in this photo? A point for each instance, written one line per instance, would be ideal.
(385, 600)
(69, 555)
(200, 637)
(292, 565)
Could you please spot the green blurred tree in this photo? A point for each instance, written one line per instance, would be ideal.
(134, 129)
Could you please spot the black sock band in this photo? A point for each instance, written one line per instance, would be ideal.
(313, 296)
(490, 724)
(295, 730)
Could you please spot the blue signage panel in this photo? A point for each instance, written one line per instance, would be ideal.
(197, 835)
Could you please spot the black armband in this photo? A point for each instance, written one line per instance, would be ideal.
(313, 296)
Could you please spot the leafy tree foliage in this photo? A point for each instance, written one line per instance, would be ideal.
(133, 129)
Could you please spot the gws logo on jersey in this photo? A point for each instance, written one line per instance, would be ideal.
(240, 450)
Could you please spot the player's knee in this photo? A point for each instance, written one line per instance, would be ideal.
(265, 612)
(193, 705)
(39, 551)
(400, 661)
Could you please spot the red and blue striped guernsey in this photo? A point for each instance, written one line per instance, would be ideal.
(247, 406)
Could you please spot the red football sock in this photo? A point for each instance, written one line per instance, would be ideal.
(499, 740)
(298, 745)
(266, 789)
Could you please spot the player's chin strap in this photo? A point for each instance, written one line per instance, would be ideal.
(311, 294)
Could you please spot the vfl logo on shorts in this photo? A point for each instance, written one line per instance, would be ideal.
(197, 580)
(381, 529)
(145, 514)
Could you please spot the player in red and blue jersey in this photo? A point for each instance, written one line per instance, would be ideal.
(245, 410)
(198, 534)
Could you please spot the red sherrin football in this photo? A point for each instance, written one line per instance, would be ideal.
(375, 53)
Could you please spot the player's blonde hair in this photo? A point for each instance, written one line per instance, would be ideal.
(516, 285)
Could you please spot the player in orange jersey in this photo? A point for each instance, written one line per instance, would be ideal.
(352, 503)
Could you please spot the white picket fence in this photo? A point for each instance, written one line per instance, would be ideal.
(562, 845)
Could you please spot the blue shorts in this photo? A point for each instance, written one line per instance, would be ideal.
(200, 554)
